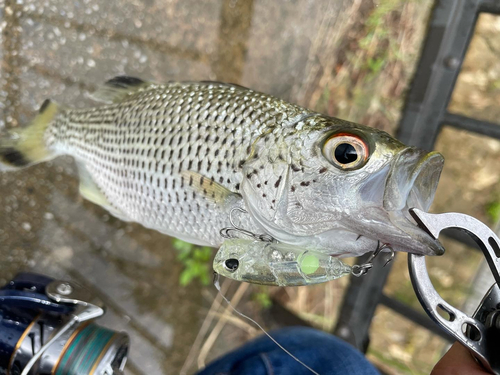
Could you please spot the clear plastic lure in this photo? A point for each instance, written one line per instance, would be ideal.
(276, 264)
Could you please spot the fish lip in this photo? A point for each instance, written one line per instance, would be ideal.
(413, 179)
(412, 182)
(416, 240)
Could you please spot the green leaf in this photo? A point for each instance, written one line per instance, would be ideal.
(186, 277)
(493, 211)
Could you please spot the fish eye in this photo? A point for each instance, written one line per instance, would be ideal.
(346, 151)
(231, 264)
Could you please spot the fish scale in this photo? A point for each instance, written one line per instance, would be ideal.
(136, 150)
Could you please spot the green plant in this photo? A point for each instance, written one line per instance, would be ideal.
(262, 297)
(493, 211)
(196, 261)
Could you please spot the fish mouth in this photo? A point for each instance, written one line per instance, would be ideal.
(412, 182)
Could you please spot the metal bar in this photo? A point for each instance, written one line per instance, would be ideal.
(490, 6)
(359, 304)
(451, 27)
(413, 315)
(477, 126)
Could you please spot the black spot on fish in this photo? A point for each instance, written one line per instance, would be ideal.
(295, 168)
(323, 170)
(277, 183)
(258, 186)
(292, 189)
(264, 195)
(305, 183)
(237, 186)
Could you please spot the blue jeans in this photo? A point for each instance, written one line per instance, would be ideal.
(324, 353)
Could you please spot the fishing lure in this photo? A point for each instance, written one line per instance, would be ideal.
(278, 264)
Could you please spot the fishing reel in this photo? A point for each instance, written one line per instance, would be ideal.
(47, 327)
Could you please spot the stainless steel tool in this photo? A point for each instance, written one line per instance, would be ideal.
(480, 333)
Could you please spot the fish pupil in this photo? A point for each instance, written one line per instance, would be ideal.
(231, 264)
(345, 153)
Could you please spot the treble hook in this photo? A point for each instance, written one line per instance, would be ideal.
(362, 269)
(225, 232)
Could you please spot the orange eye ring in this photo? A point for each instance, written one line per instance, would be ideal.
(346, 151)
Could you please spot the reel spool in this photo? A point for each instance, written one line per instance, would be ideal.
(59, 330)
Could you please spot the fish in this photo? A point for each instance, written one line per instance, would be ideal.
(276, 264)
(180, 157)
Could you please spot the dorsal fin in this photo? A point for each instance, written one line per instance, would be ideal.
(118, 88)
(228, 84)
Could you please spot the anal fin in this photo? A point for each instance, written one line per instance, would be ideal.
(91, 192)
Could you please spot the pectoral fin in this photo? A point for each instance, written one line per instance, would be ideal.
(209, 189)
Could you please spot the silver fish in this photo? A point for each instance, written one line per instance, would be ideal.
(179, 157)
(276, 264)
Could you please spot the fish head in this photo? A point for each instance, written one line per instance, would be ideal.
(341, 188)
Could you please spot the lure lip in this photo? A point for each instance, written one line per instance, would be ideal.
(412, 183)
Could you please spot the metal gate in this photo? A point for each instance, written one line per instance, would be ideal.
(450, 29)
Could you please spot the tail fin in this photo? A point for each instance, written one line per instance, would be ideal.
(26, 146)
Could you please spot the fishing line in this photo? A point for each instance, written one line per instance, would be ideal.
(217, 286)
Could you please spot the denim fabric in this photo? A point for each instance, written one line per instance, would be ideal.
(324, 353)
